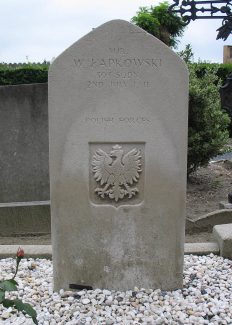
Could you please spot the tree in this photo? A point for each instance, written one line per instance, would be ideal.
(160, 23)
(187, 54)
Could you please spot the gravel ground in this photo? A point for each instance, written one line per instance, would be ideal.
(205, 299)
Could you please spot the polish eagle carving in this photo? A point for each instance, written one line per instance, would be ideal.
(116, 172)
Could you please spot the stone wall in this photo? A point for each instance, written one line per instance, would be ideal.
(24, 143)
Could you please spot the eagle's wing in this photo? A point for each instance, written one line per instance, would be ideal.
(132, 165)
(101, 166)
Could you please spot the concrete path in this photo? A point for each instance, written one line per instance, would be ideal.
(45, 251)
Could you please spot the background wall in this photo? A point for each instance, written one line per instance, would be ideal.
(24, 172)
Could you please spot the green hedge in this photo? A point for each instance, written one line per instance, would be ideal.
(24, 73)
(223, 70)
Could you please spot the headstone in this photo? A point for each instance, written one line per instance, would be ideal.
(118, 146)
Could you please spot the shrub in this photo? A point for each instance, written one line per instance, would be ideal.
(221, 70)
(23, 73)
(207, 130)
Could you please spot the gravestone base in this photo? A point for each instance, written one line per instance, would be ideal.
(223, 236)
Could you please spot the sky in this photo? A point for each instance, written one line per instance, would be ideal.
(38, 30)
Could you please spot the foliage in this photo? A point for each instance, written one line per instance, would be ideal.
(187, 54)
(24, 65)
(11, 285)
(207, 130)
(160, 23)
(221, 70)
(23, 73)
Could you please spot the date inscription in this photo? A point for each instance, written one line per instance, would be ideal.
(118, 84)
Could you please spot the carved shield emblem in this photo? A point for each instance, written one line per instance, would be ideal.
(116, 171)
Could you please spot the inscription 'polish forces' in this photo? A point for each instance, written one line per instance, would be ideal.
(116, 170)
(117, 62)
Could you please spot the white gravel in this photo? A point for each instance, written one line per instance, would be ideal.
(205, 299)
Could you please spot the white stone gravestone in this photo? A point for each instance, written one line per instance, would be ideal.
(118, 106)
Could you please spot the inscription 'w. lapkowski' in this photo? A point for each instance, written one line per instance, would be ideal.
(117, 171)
